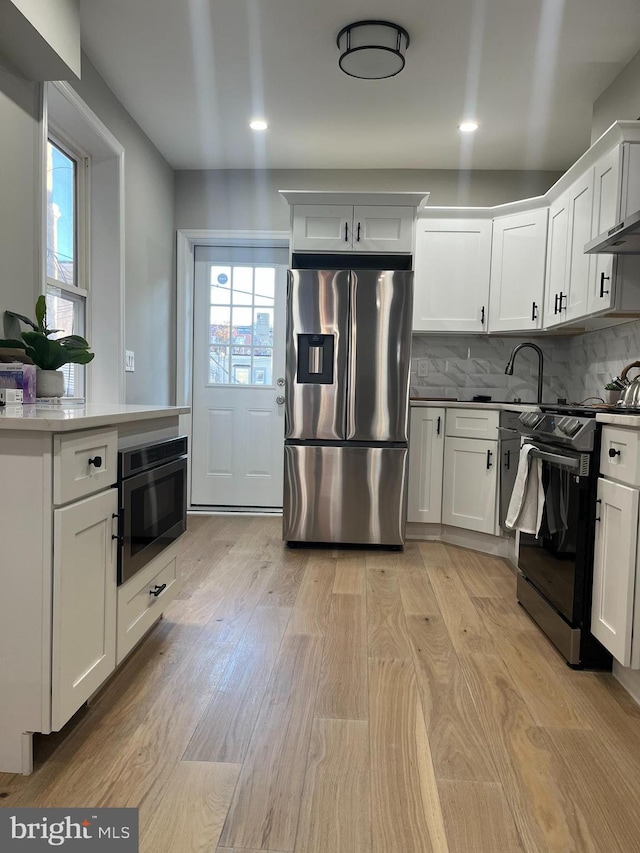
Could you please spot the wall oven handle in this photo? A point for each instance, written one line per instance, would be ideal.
(567, 461)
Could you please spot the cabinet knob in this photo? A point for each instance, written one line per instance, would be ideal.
(613, 453)
(97, 461)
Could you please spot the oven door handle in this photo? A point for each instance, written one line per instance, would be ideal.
(555, 458)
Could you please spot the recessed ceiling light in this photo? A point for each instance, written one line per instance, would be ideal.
(258, 124)
(468, 126)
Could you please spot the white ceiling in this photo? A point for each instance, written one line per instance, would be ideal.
(193, 72)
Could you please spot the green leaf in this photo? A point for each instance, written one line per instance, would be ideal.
(41, 313)
(45, 350)
(12, 344)
(80, 356)
(73, 341)
(23, 319)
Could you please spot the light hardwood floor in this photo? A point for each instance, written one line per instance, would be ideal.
(349, 701)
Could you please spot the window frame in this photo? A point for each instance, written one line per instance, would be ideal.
(78, 292)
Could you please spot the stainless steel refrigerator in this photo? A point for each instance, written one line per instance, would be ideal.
(347, 393)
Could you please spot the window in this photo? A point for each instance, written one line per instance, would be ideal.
(241, 324)
(65, 250)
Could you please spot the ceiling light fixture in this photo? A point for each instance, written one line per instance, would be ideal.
(372, 50)
(258, 124)
(468, 126)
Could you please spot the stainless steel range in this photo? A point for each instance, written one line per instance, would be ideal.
(556, 566)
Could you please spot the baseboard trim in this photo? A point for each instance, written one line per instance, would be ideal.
(499, 546)
(629, 679)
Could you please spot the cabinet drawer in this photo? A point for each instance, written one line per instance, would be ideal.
(138, 609)
(83, 463)
(619, 456)
(472, 423)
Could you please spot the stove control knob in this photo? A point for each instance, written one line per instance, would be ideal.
(573, 427)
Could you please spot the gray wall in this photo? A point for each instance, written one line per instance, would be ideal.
(245, 199)
(621, 100)
(149, 247)
(19, 189)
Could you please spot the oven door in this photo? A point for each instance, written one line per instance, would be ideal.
(153, 513)
(559, 561)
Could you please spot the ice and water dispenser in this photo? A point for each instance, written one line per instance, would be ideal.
(315, 359)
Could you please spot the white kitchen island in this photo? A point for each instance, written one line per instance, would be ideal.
(64, 622)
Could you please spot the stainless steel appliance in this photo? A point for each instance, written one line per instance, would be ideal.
(555, 574)
(347, 395)
(152, 491)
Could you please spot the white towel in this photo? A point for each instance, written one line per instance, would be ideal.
(527, 499)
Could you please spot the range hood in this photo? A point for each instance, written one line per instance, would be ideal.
(622, 239)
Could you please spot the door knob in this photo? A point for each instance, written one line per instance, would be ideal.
(279, 399)
(280, 382)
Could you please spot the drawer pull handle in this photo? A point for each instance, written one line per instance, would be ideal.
(158, 588)
(97, 461)
(613, 453)
(119, 538)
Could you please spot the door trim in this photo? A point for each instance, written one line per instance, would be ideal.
(186, 241)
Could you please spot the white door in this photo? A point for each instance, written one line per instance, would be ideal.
(580, 267)
(614, 568)
(451, 283)
(383, 228)
(517, 271)
(556, 260)
(469, 484)
(426, 457)
(238, 377)
(605, 216)
(84, 602)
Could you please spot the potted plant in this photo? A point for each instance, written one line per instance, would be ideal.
(611, 393)
(47, 353)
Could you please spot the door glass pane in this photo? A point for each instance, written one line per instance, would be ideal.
(220, 324)
(218, 365)
(241, 324)
(265, 286)
(220, 285)
(242, 285)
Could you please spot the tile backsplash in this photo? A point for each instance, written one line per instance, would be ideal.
(575, 367)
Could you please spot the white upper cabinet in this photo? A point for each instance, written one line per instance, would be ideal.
(569, 270)
(346, 228)
(605, 214)
(517, 271)
(452, 265)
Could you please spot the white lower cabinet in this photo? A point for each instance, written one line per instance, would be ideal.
(615, 570)
(426, 459)
(84, 602)
(470, 482)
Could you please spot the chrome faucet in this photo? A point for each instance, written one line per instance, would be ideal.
(509, 368)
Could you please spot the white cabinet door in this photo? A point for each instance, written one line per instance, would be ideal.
(606, 195)
(84, 602)
(377, 228)
(580, 267)
(556, 259)
(469, 484)
(452, 265)
(426, 457)
(615, 568)
(518, 254)
(322, 227)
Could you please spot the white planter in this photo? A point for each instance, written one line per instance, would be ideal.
(611, 397)
(49, 383)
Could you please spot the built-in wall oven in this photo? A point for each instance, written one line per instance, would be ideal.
(556, 567)
(152, 491)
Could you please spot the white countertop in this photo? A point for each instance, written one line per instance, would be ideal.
(61, 418)
(619, 419)
(467, 404)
